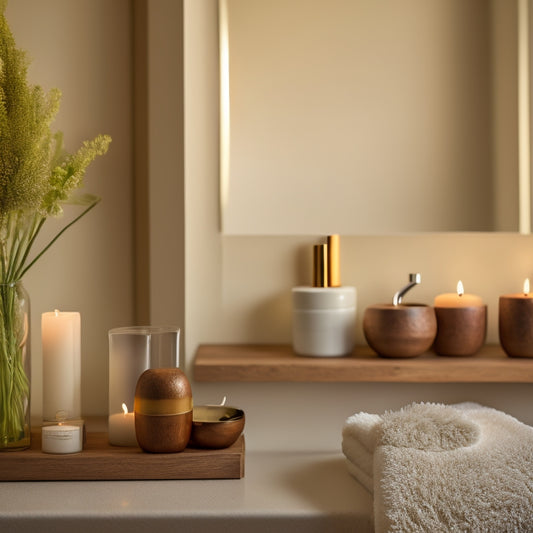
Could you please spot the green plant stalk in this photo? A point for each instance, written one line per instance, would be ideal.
(21, 271)
(14, 383)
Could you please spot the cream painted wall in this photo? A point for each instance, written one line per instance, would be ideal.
(83, 48)
(319, 90)
(237, 288)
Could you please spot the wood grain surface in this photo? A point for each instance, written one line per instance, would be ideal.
(249, 362)
(101, 461)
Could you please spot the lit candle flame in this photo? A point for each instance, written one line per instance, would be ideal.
(223, 401)
(460, 288)
(526, 286)
(125, 408)
(56, 311)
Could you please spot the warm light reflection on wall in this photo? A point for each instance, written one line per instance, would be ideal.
(224, 107)
(524, 168)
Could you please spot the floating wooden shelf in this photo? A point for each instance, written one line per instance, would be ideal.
(267, 363)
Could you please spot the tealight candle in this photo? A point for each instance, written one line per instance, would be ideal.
(61, 439)
(461, 323)
(122, 428)
(516, 323)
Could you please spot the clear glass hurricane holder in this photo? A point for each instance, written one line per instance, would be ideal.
(132, 350)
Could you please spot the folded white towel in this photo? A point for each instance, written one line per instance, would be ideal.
(445, 468)
(359, 439)
(366, 480)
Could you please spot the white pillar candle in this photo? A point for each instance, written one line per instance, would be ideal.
(122, 428)
(61, 365)
(61, 439)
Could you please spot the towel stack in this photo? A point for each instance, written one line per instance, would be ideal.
(359, 440)
(433, 467)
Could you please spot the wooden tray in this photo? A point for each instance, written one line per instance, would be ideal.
(101, 461)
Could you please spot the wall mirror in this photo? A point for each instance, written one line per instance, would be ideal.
(371, 117)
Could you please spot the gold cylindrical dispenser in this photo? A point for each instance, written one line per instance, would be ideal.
(163, 410)
(334, 276)
(323, 316)
(320, 265)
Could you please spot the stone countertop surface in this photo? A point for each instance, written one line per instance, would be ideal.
(280, 491)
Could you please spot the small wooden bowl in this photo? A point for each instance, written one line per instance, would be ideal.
(404, 330)
(216, 426)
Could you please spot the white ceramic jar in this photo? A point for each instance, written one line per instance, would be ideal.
(323, 320)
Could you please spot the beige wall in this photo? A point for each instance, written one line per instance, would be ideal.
(83, 48)
(237, 288)
(319, 91)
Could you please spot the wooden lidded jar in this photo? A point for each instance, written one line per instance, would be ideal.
(163, 410)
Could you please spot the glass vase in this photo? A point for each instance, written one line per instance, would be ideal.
(15, 367)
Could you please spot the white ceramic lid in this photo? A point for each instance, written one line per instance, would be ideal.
(313, 298)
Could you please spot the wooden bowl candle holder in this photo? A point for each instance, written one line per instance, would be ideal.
(216, 426)
(460, 331)
(515, 321)
(461, 323)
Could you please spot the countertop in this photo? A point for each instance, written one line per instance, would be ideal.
(280, 491)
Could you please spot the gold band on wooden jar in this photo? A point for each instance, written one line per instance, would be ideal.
(162, 406)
